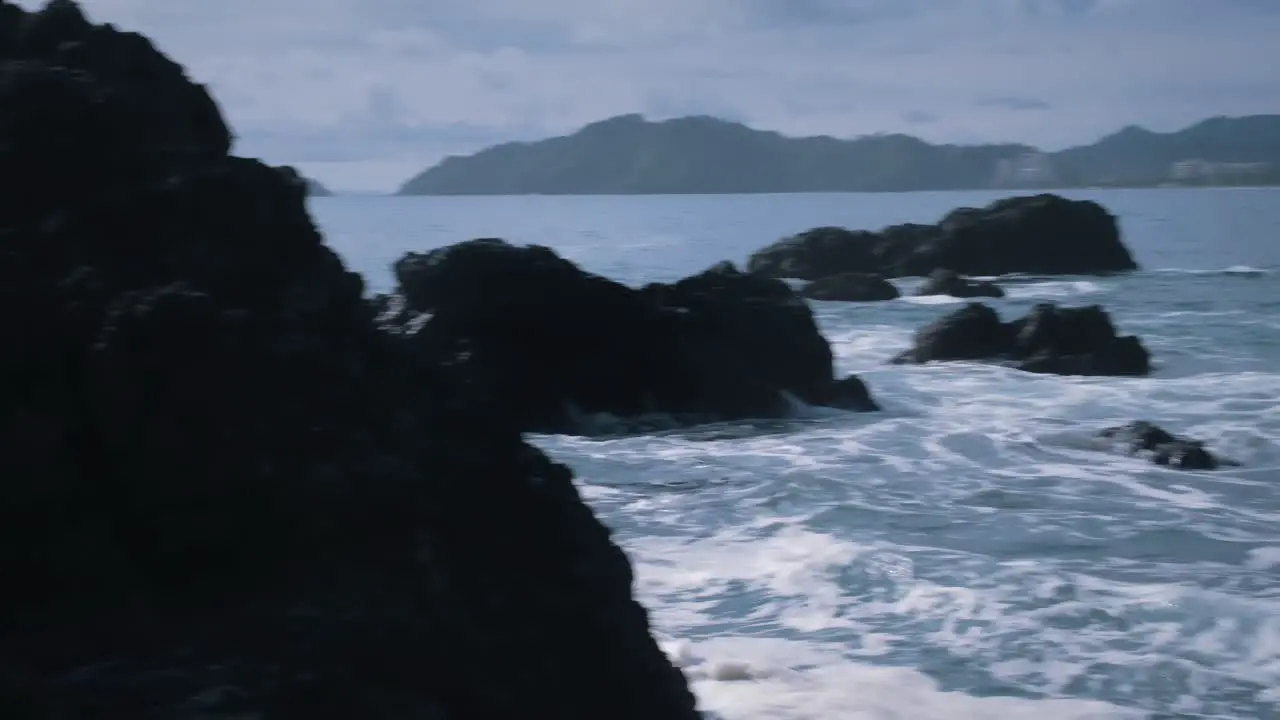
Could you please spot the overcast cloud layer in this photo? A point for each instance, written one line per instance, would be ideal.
(364, 93)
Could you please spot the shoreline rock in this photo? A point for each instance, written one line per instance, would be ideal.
(1042, 234)
(227, 493)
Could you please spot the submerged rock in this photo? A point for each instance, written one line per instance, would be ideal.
(226, 492)
(947, 282)
(546, 343)
(1163, 447)
(1050, 339)
(1035, 234)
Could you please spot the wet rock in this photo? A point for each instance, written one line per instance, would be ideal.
(851, 287)
(1050, 339)
(1163, 447)
(946, 282)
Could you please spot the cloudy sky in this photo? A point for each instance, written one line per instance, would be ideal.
(364, 93)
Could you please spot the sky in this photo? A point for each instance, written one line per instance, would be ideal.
(363, 94)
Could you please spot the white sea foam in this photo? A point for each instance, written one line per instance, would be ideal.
(973, 551)
(1236, 270)
(1055, 289)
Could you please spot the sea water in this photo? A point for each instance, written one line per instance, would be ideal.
(969, 552)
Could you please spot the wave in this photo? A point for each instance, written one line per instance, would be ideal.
(1244, 271)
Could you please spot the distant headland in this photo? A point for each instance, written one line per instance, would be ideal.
(630, 154)
(315, 189)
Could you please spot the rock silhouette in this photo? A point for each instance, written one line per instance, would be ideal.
(226, 492)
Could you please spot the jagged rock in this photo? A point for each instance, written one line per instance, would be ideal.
(851, 287)
(546, 343)
(226, 492)
(1036, 234)
(946, 282)
(1049, 339)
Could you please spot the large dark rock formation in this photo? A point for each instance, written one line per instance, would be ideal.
(1049, 339)
(547, 344)
(1035, 234)
(225, 492)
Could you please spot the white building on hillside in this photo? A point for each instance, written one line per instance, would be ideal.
(1031, 169)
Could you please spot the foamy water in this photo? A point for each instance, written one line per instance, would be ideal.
(972, 551)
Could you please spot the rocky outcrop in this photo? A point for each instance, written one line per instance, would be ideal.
(226, 493)
(1049, 339)
(947, 282)
(1035, 234)
(547, 345)
(851, 287)
(1163, 447)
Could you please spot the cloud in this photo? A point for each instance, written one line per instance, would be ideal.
(362, 87)
(920, 117)
(1014, 103)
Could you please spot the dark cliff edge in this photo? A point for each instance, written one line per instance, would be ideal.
(226, 492)
(703, 155)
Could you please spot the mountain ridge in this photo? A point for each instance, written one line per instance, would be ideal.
(630, 154)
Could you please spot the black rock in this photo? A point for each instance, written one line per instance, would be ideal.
(1036, 234)
(1162, 447)
(226, 492)
(1049, 339)
(851, 287)
(850, 393)
(547, 344)
(973, 332)
(946, 282)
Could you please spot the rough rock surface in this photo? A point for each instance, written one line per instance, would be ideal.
(851, 287)
(947, 282)
(548, 345)
(1035, 234)
(1049, 339)
(1163, 447)
(226, 493)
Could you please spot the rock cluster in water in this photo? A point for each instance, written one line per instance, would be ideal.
(548, 345)
(227, 492)
(1049, 339)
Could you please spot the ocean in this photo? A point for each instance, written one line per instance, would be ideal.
(968, 552)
